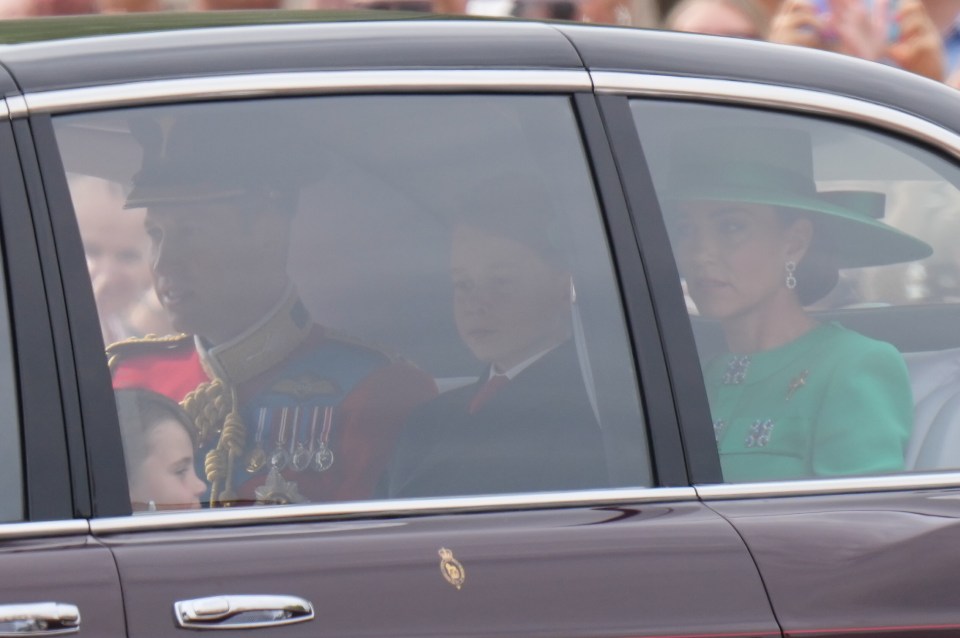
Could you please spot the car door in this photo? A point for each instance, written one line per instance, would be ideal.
(841, 552)
(634, 553)
(58, 578)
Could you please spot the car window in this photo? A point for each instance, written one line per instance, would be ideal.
(819, 264)
(360, 297)
(11, 469)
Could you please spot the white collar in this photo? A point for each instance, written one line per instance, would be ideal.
(523, 365)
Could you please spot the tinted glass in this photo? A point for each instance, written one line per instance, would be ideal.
(11, 469)
(820, 269)
(349, 274)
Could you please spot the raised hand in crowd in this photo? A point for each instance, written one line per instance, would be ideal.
(798, 23)
(919, 47)
(904, 35)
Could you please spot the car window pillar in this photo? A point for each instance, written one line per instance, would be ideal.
(669, 313)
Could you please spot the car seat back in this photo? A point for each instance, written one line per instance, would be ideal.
(935, 380)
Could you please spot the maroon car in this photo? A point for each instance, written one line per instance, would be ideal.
(475, 328)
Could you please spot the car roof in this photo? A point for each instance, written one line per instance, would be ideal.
(393, 44)
(724, 58)
(83, 52)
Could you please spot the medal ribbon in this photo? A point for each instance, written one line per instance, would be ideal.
(327, 426)
(261, 424)
(296, 428)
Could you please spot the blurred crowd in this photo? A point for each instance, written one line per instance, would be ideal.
(621, 12)
(922, 36)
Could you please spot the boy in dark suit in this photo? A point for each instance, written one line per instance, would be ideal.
(527, 424)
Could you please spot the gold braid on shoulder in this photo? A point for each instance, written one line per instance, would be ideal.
(212, 407)
(208, 406)
(134, 346)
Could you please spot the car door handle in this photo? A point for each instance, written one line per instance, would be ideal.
(242, 612)
(39, 619)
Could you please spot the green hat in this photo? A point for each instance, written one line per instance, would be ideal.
(774, 166)
(209, 156)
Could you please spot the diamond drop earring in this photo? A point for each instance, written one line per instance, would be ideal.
(791, 281)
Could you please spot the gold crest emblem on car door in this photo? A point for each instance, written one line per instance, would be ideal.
(453, 572)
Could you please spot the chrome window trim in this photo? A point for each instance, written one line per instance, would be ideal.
(809, 101)
(406, 507)
(305, 83)
(6, 105)
(43, 529)
(387, 81)
(813, 487)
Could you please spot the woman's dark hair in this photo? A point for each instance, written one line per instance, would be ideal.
(140, 411)
(817, 273)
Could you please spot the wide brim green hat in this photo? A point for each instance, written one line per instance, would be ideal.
(774, 167)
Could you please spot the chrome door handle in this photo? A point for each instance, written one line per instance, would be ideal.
(39, 619)
(242, 612)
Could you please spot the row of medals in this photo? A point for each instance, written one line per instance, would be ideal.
(303, 458)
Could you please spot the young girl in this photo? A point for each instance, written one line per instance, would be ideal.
(158, 448)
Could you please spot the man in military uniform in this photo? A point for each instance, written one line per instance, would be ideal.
(285, 410)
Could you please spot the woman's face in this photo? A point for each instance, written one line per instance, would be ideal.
(167, 476)
(733, 255)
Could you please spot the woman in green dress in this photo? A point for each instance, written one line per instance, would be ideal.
(793, 398)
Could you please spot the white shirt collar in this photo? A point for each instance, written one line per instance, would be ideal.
(523, 365)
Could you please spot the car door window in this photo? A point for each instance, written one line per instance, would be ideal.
(11, 469)
(818, 261)
(363, 297)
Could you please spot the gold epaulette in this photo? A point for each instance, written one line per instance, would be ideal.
(134, 346)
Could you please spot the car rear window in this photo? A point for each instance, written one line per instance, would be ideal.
(350, 278)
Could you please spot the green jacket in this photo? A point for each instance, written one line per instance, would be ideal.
(830, 403)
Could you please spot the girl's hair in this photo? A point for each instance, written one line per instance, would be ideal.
(140, 411)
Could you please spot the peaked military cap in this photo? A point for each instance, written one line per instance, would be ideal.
(219, 152)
